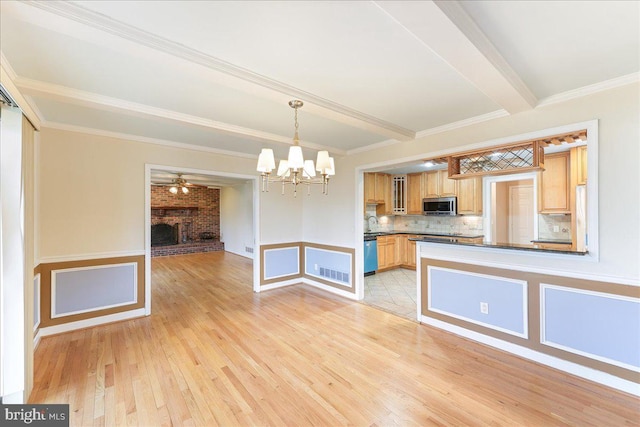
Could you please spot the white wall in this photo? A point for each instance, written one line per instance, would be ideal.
(280, 216)
(12, 263)
(617, 112)
(236, 218)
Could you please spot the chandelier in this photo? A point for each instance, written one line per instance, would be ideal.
(295, 170)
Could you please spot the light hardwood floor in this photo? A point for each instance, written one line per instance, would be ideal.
(215, 353)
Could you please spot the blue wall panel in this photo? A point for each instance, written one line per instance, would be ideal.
(593, 324)
(329, 265)
(281, 262)
(459, 294)
(89, 289)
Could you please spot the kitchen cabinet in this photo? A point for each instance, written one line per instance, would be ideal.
(553, 184)
(410, 252)
(399, 249)
(446, 186)
(377, 190)
(581, 164)
(386, 252)
(438, 184)
(415, 192)
(470, 196)
(369, 188)
(470, 239)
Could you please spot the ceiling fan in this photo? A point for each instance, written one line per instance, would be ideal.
(179, 184)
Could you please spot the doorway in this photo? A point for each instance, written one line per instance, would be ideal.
(520, 215)
(237, 215)
(511, 208)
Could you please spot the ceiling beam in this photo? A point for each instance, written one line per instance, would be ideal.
(101, 102)
(231, 74)
(447, 30)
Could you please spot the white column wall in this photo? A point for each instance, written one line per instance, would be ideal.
(12, 317)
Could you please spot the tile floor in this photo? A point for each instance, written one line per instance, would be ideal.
(393, 291)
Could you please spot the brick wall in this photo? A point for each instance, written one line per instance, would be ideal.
(193, 222)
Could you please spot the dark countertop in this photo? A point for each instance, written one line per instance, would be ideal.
(532, 248)
(389, 233)
(555, 241)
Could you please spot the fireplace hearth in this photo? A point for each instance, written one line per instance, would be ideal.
(164, 234)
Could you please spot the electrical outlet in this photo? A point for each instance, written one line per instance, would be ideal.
(315, 267)
(484, 307)
(556, 228)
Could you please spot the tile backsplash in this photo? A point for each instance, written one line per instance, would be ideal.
(468, 225)
(554, 227)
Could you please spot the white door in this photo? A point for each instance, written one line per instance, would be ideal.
(521, 214)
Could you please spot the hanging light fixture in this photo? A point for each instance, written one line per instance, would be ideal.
(295, 170)
(179, 184)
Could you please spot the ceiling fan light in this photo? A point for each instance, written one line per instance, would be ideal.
(173, 190)
(185, 190)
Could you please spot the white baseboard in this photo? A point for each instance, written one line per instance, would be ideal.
(87, 323)
(280, 284)
(16, 398)
(554, 362)
(36, 340)
(331, 289)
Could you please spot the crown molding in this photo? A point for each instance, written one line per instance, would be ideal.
(106, 103)
(314, 103)
(144, 139)
(590, 89)
(8, 78)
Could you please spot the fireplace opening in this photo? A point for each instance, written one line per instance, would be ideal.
(164, 234)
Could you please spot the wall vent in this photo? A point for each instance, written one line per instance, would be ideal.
(248, 249)
(335, 275)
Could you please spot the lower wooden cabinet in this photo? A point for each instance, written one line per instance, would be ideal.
(396, 250)
(386, 252)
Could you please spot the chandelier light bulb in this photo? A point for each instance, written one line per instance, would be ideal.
(185, 190)
(173, 190)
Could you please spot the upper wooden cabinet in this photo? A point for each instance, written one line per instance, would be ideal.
(446, 187)
(553, 185)
(377, 190)
(370, 188)
(438, 184)
(470, 196)
(415, 193)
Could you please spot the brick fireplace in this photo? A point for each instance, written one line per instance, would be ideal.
(195, 217)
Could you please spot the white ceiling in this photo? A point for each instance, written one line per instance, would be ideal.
(218, 74)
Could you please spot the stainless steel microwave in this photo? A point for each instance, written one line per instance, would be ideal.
(440, 206)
